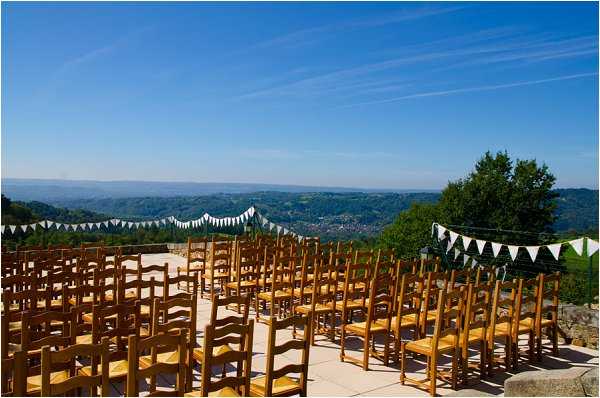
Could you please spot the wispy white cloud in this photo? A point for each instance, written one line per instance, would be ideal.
(285, 154)
(315, 34)
(474, 89)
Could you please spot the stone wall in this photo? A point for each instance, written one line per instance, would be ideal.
(572, 382)
(578, 325)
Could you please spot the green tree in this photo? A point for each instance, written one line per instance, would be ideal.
(497, 194)
(411, 230)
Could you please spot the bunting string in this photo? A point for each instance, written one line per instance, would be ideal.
(206, 218)
(554, 248)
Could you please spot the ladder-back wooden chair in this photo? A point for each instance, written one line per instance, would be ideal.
(434, 281)
(443, 341)
(276, 382)
(196, 257)
(231, 386)
(408, 307)
(281, 290)
(524, 319)
(547, 313)
(73, 381)
(14, 374)
(221, 259)
(475, 327)
(244, 278)
(379, 315)
(322, 301)
(501, 321)
(355, 292)
(138, 370)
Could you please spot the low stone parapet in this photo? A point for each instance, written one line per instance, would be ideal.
(571, 382)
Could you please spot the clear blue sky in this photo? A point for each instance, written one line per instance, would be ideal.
(394, 95)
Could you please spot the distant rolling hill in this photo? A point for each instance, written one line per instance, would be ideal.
(61, 190)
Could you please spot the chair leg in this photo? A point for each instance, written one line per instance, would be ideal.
(554, 340)
(386, 348)
(342, 344)
(433, 379)
(531, 346)
(402, 359)
(455, 370)
(366, 349)
(482, 359)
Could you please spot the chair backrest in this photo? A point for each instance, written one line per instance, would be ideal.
(229, 334)
(273, 350)
(65, 358)
(503, 305)
(283, 274)
(246, 265)
(434, 282)
(197, 252)
(356, 285)
(173, 282)
(485, 274)
(308, 265)
(126, 322)
(242, 301)
(448, 319)
(14, 374)
(154, 344)
(409, 298)
(549, 287)
(380, 305)
(526, 303)
(325, 284)
(459, 277)
(477, 311)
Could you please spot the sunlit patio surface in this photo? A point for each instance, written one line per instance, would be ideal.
(328, 376)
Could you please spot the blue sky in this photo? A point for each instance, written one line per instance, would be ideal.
(394, 95)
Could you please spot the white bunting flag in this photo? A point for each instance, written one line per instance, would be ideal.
(513, 250)
(592, 247)
(58, 225)
(480, 245)
(466, 242)
(533, 252)
(448, 247)
(115, 222)
(90, 225)
(205, 216)
(496, 248)
(473, 263)
(555, 249)
(456, 253)
(12, 228)
(83, 226)
(285, 231)
(49, 223)
(265, 221)
(98, 224)
(129, 224)
(279, 228)
(577, 246)
(105, 224)
(74, 226)
(453, 237)
(1, 228)
(433, 229)
(33, 226)
(465, 259)
(251, 211)
(42, 224)
(24, 228)
(441, 231)
(271, 226)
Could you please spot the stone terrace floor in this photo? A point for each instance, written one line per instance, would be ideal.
(328, 376)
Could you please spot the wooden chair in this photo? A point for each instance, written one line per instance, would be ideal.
(171, 285)
(196, 257)
(322, 301)
(434, 281)
(354, 292)
(231, 386)
(475, 327)
(221, 259)
(14, 374)
(524, 318)
(36, 332)
(276, 382)
(303, 288)
(443, 341)
(485, 274)
(126, 322)
(407, 309)
(65, 358)
(244, 278)
(378, 320)
(282, 287)
(547, 314)
(501, 321)
(138, 370)
(459, 278)
(224, 302)
(170, 316)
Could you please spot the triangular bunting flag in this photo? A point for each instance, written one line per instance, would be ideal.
(513, 250)
(533, 252)
(473, 263)
(1, 228)
(453, 237)
(480, 245)
(90, 225)
(456, 253)
(465, 259)
(251, 211)
(466, 242)
(555, 249)
(42, 224)
(12, 228)
(33, 226)
(271, 226)
(577, 246)
(496, 248)
(49, 223)
(105, 223)
(592, 247)
(98, 224)
(441, 232)
(58, 225)
(279, 228)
